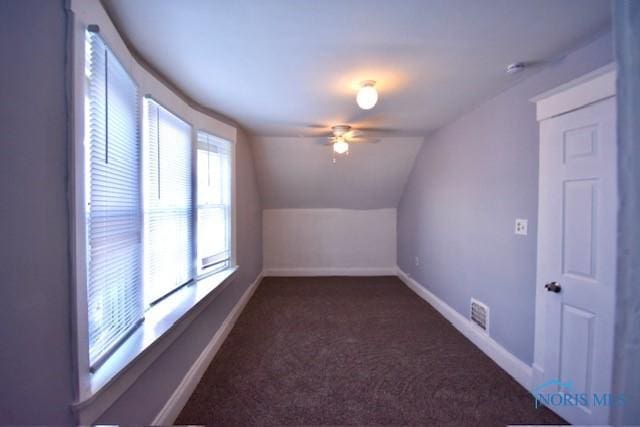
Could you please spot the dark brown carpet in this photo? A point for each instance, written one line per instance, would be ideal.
(352, 350)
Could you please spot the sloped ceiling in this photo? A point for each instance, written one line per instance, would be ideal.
(290, 68)
(299, 173)
(281, 67)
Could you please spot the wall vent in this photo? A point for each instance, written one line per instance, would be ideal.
(479, 314)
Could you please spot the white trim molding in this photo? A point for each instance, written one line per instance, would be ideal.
(592, 87)
(173, 317)
(329, 271)
(515, 367)
(537, 374)
(180, 396)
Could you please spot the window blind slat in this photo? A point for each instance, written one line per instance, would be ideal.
(114, 218)
(168, 202)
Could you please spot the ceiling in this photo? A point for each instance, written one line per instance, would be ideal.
(287, 70)
(299, 173)
(291, 67)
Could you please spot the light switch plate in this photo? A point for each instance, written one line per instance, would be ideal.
(521, 227)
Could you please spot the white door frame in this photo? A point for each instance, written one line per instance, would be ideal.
(593, 87)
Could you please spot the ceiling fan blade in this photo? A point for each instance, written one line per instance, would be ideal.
(326, 141)
(310, 130)
(379, 131)
(364, 139)
(354, 133)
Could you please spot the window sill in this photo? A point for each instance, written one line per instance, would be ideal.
(163, 323)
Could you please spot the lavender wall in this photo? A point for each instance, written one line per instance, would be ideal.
(35, 339)
(36, 371)
(469, 183)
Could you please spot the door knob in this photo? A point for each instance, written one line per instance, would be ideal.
(553, 287)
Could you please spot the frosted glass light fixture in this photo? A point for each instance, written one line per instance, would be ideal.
(340, 146)
(367, 96)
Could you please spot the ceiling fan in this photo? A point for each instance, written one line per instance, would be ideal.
(342, 136)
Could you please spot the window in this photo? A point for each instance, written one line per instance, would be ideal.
(113, 214)
(135, 216)
(168, 209)
(214, 203)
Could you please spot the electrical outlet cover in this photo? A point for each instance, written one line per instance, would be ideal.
(521, 227)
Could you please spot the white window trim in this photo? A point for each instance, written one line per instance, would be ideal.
(200, 272)
(233, 261)
(95, 393)
(163, 324)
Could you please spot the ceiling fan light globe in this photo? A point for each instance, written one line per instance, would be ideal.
(340, 147)
(367, 96)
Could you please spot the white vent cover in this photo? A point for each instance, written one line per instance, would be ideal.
(479, 314)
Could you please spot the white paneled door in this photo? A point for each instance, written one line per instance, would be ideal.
(577, 261)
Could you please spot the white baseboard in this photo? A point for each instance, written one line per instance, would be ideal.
(180, 396)
(515, 367)
(330, 271)
(538, 375)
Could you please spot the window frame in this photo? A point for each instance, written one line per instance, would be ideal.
(96, 392)
(202, 274)
(95, 365)
(146, 99)
(205, 271)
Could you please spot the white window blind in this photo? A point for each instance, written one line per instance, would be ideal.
(114, 282)
(169, 260)
(214, 200)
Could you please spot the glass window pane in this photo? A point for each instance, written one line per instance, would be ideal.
(214, 191)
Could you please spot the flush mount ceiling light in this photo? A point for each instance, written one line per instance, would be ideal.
(367, 95)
